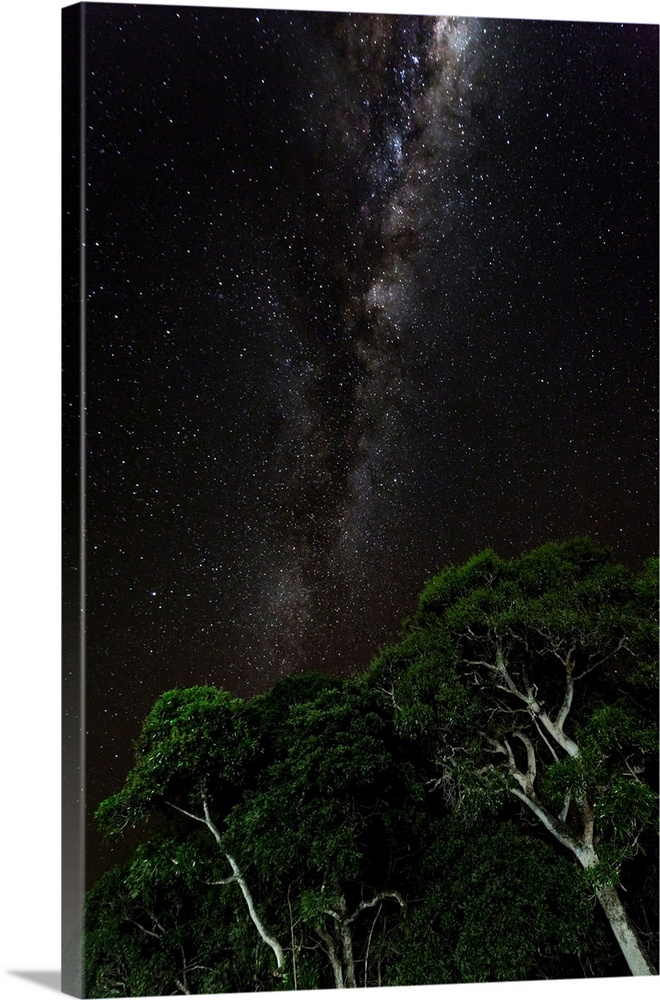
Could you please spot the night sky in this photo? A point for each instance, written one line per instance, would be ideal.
(364, 295)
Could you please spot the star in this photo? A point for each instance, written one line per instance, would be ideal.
(329, 280)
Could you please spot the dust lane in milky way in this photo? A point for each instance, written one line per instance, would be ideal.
(365, 294)
(404, 127)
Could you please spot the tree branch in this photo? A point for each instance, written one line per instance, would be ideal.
(144, 929)
(156, 921)
(560, 737)
(545, 739)
(588, 820)
(267, 938)
(550, 822)
(388, 894)
(200, 819)
(620, 645)
(366, 957)
(524, 779)
(293, 939)
(530, 774)
(562, 714)
(211, 825)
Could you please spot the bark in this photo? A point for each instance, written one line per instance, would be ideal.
(267, 938)
(555, 826)
(337, 970)
(366, 957)
(347, 949)
(581, 844)
(623, 930)
(344, 966)
(625, 933)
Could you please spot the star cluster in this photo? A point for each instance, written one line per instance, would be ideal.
(364, 294)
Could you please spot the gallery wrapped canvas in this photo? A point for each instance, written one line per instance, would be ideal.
(360, 597)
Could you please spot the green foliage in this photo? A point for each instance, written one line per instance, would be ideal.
(558, 649)
(453, 584)
(531, 902)
(499, 905)
(151, 926)
(624, 809)
(345, 797)
(193, 740)
(612, 738)
(314, 905)
(564, 603)
(324, 805)
(569, 776)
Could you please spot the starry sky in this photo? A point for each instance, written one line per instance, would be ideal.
(364, 294)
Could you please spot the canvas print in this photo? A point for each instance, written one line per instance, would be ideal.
(360, 511)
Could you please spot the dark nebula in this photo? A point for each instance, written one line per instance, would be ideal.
(364, 295)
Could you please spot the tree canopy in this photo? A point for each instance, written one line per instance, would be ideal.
(534, 679)
(451, 814)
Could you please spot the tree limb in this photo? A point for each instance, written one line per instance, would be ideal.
(550, 822)
(293, 940)
(545, 739)
(390, 893)
(366, 957)
(530, 774)
(620, 645)
(562, 714)
(144, 929)
(200, 819)
(560, 737)
(267, 938)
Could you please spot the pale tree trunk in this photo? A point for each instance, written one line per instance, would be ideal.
(624, 932)
(340, 943)
(238, 877)
(347, 949)
(581, 845)
(339, 946)
(342, 923)
(267, 938)
(335, 962)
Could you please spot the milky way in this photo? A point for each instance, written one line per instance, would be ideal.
(364, 295)
(395, 102)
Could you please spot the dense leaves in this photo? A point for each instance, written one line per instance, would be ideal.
(191, 739)
(451, 815)
(508, 910)
(529, 680)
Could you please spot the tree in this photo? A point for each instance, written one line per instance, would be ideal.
(193, 753)
(296, 844)
(324, 824)
(158, 925)
(534, 680)
(297, 792)
(495, 904)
